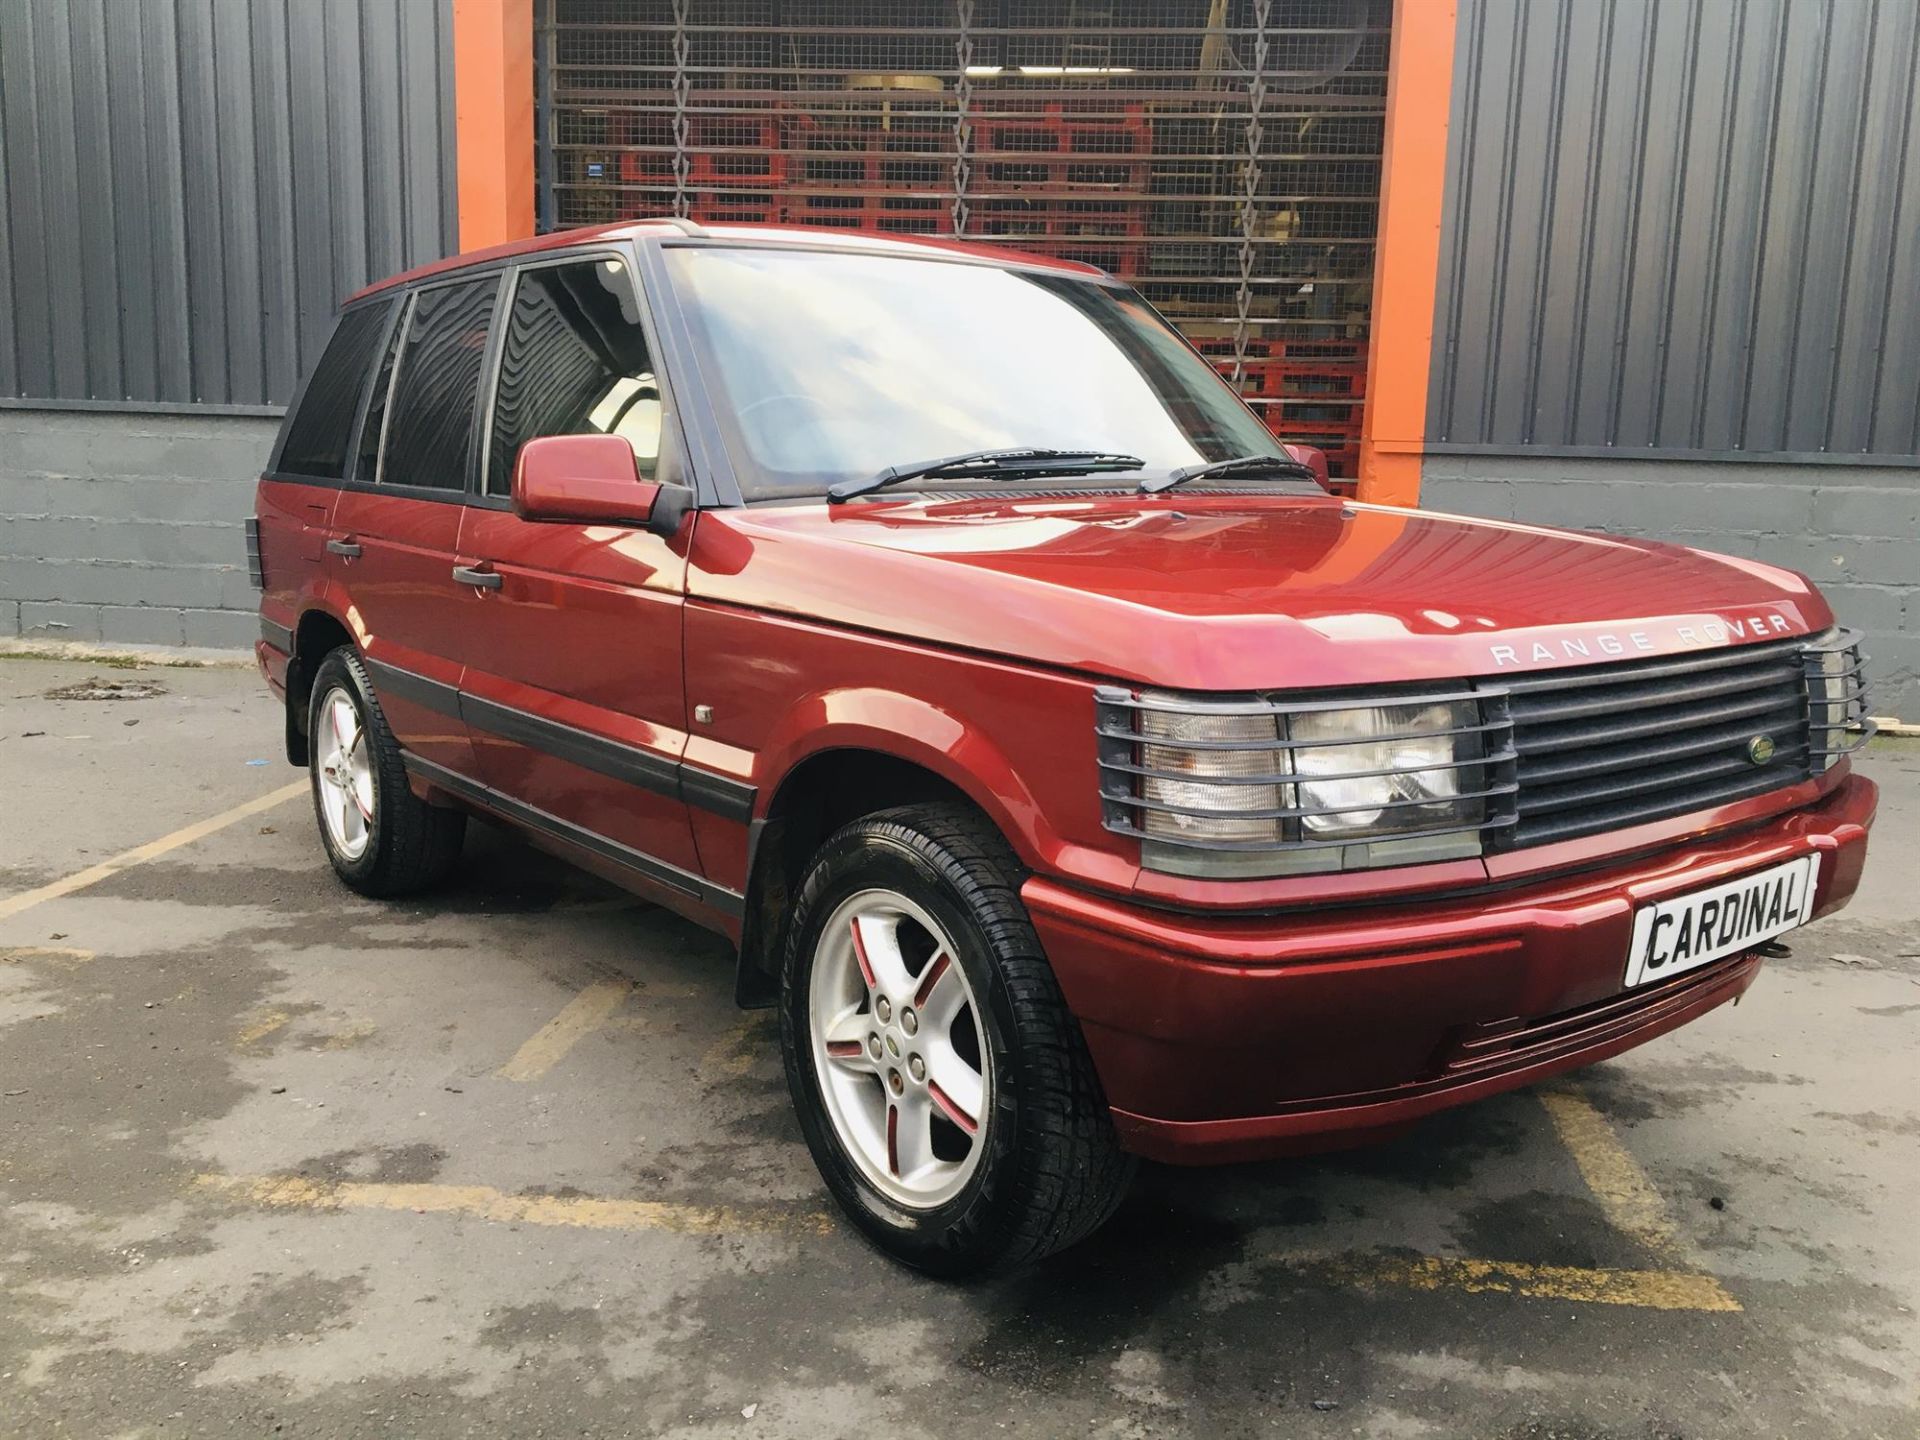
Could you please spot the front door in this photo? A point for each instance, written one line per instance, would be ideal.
(573, 691)
(393, 543)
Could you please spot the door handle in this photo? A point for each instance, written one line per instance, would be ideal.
(478, 578)
(348, 548)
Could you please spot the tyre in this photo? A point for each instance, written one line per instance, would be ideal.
(381, 837)
(944, 1089)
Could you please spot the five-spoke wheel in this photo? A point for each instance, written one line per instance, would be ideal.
(904, 1066)
(943, 1086)
(345, 794)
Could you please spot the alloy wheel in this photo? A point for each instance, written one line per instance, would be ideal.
(897, 1041)
(344, 776)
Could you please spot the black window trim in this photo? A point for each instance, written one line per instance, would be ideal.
(398, 307)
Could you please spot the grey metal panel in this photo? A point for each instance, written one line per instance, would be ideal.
(1682, 225)
(188, 188)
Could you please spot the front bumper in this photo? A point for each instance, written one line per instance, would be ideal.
(1220, 1038)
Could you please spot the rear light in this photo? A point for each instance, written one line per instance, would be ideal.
(255, 571)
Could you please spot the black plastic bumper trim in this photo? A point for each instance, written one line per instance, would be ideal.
(278, 636)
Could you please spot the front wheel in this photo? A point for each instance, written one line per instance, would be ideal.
(944, 1089)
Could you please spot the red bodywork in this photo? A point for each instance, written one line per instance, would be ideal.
(1227, 1019)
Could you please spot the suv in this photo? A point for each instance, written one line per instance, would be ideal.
(1079, 778)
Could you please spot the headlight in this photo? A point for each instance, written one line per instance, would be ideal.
(1242, 787)
(1378, 770)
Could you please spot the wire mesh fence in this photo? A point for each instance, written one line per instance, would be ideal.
(1223, 156)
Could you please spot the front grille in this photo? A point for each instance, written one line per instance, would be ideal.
(1610, 746)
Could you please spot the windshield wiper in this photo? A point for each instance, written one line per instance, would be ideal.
(1240, 465)
(991, 465)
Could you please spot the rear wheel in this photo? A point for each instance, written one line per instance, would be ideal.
(943, 1087)
(381, 838)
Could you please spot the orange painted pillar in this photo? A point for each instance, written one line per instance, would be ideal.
(493, 119)
(1406, 266)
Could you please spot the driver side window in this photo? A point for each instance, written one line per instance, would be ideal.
(575, 362)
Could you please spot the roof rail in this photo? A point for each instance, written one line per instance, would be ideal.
(679, 222)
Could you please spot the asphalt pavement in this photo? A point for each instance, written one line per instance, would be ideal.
(504, 1160)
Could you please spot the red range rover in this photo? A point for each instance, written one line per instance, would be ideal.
(1078, 777)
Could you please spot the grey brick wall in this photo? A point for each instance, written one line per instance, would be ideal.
(1853, 529)
(128, 527)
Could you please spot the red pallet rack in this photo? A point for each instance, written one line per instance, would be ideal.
(1052, 149)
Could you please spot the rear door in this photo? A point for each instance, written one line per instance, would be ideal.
(301, 484)
(573, 688)
(393, 541)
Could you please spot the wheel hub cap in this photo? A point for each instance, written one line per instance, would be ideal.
(344, 783)
(899, 1049)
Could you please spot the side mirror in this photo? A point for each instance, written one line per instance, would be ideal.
(588, 479)
(1315, 459)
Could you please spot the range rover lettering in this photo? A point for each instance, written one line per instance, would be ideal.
(1079, 777)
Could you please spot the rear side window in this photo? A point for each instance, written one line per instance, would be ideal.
(574, 362)
(430, 422)
(317, 436)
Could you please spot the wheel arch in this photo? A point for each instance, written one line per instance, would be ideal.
(318, 633)
(824, 790)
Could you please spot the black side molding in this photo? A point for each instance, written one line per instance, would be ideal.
(729, 902)
(278, 636)
(590, 752)
(721, 795)
(434, 695)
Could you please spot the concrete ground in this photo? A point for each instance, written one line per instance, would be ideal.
(504, 1161)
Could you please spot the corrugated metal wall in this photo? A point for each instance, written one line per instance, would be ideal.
(191, 186)
(1690, 225)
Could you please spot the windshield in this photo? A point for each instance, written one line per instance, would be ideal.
(831, 366)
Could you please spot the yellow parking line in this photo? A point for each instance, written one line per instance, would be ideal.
(258, 1029)
(1631, 1203)
(739, 1048)
(483, 1202)
(583, 1014)
(1648, 1289)
(13, 904)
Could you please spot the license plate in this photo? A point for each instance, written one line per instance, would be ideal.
(1674, 936)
